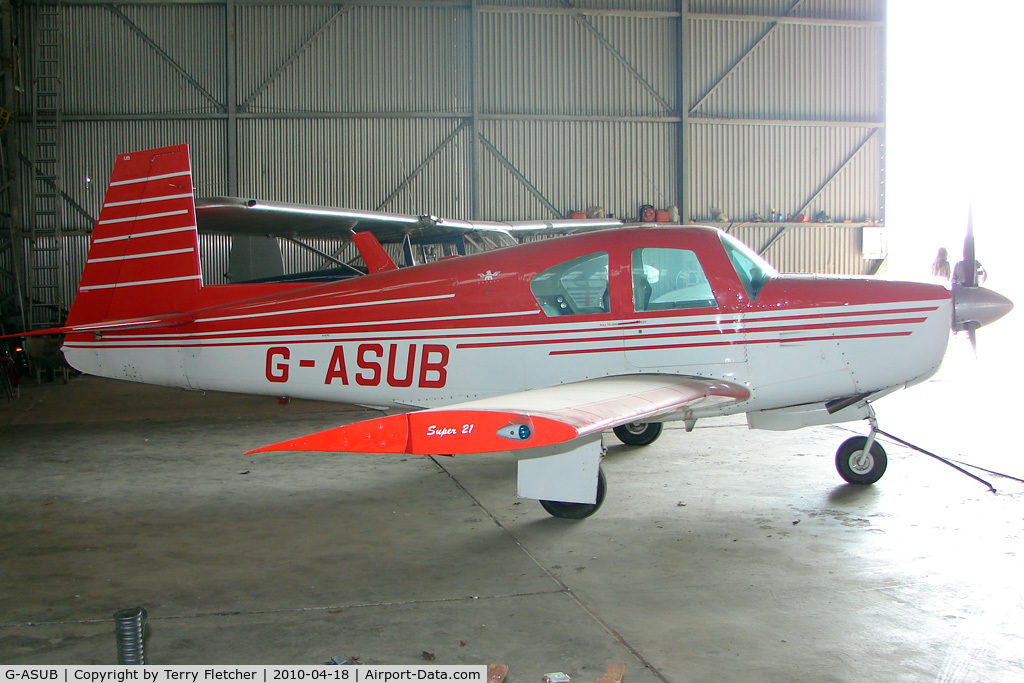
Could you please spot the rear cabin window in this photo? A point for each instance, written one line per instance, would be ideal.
(669, 279)
(575, 287)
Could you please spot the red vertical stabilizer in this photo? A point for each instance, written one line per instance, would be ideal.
(144, 255)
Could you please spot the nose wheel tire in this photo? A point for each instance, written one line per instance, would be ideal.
(858, 466)
(577, 510)
(638, 433)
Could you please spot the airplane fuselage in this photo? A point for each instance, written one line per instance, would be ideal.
(636, 300)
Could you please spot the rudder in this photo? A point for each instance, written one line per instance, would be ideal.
(144, 256)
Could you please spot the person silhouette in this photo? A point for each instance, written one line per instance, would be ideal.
(960, 274)
(940, 266)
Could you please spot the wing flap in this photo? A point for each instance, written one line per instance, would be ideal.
(530, 419)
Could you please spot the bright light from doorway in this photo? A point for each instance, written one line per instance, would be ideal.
(954, 135)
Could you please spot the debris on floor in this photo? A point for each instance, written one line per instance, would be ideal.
(557, 677)
(613, 673)
(496, 673)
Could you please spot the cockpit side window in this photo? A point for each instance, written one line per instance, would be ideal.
(575, 287)
(752, 270)
(669, 279)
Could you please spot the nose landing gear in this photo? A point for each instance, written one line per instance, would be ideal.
(859, 463)
(861, 459)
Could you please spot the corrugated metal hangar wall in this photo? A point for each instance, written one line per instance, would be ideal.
(735, 111)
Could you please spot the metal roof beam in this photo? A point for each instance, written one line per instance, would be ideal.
(476, 95)
(837, 171)
(772, 240)
(581, 18)
(572, 10)
(519, 176)
(494, 116)
(419, 167)
(520, 9)
(742, 58)
(788, 20)
(231, 94)
(136, 29)
(360, 3)
(821, 123)
(263, 116)
(341, 10)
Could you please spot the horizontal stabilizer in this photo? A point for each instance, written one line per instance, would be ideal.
(166, 320)
(530, 419)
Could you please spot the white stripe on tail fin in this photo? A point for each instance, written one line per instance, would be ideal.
(144, 256)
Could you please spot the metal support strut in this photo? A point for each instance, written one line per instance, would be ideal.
(873, 421)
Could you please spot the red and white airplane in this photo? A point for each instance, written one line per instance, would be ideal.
(534, 349)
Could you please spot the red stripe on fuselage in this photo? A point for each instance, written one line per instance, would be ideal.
(429, 329)
(663, 347)
(576, 339)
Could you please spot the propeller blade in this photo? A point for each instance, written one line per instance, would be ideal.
(970, 264)
(972, 336)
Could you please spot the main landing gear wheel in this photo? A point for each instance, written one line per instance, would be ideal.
(577, 510)
(857, 466)
(638, 433)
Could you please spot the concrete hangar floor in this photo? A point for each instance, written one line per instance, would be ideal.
(723, 554)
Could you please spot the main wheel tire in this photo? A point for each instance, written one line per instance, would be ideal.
(857, 466)
(638, 433)
(577, 510)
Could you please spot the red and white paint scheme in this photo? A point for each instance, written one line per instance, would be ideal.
(533, 349)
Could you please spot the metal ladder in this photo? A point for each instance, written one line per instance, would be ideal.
(45, 252)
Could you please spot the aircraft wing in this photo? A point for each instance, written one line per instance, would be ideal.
(233, 215)
(529, 419)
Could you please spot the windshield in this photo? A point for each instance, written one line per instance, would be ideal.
(752, 270)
